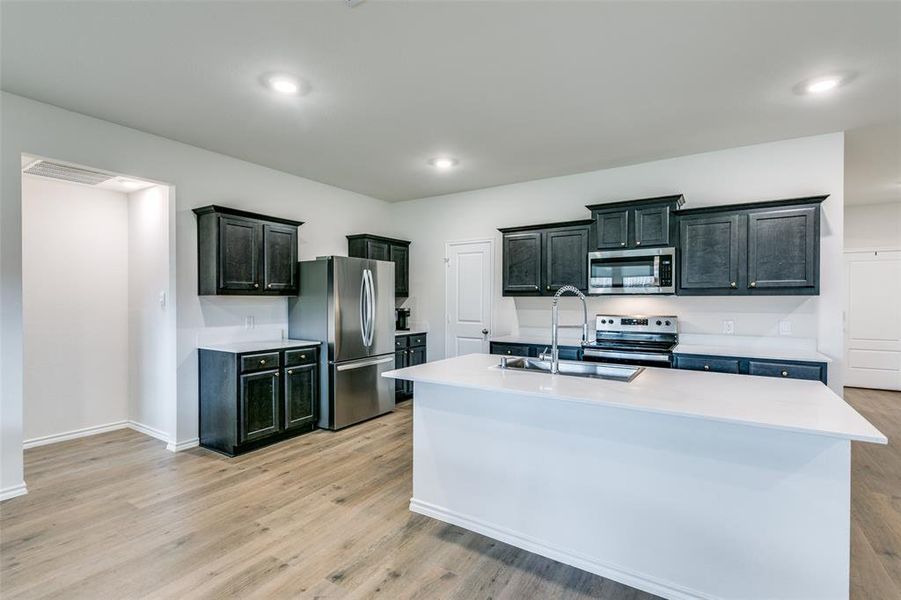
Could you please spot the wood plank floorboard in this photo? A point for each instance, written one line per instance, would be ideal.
(324, 516)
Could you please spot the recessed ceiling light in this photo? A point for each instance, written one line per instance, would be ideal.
(287, 85)
(444, 163)
(823, 85)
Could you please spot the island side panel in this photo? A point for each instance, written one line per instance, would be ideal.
(679, 507)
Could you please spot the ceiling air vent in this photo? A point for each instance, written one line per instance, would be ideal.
(66, 173)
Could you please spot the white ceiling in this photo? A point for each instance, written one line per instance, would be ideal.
(516, 91)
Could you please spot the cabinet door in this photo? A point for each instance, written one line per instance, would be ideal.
(652, 226)
(782, 248)
(400, 256)
(377, 249)
(522, 263)
(279, 257)
(301, 387)
(710, 253)
(259, 405)
(566, 258)
(612, 228)
(239, 248)
(417, 356)
(401, 360)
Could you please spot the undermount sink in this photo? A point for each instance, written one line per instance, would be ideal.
(575, 368)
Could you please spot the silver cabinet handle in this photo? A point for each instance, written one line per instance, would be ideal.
(262, 362)
(732, 284)
(706, 367)
(753, 284)
(785, 373)
(290, 372)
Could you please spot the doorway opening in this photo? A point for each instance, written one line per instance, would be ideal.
(98, 281)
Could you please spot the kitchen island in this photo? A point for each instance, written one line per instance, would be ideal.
(680, 483)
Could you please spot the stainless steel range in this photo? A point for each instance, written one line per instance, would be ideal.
(634, 340)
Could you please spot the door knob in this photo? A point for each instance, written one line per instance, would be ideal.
(484, 332)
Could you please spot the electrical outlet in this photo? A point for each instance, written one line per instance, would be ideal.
(248, 322)
(729, 327)
(785, 327)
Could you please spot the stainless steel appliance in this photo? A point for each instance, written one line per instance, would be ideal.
(634, 340)
(641, 271)
(348, 303)
(402, 319)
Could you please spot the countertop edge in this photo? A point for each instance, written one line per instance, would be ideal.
(881, 439)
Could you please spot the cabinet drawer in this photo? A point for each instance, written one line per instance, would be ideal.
(256, 362)
(302, 356)
(510, 349)
(716, 365)
(401, 342)
(417, 340)
(787, 370)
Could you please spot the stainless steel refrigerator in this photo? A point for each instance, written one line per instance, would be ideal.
(348, 303)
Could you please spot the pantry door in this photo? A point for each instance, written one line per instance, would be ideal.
(470, 274)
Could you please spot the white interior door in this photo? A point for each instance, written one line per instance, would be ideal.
(470, 272)
(873, 328)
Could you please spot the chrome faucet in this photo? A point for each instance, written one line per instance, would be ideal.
(555, 317)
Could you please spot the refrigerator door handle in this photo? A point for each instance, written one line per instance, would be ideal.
(372, 301)
(364, 363)
(363, 309)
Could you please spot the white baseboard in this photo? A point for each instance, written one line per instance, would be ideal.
(74, 434)
(640, 581)
(14, 491)
(148, 430)
(88, 431)
(185, 445)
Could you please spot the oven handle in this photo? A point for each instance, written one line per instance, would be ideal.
(626, 355)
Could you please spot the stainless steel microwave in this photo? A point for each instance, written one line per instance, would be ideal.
(641, 271)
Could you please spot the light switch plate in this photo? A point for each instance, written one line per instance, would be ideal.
(785, 327)
(729, 327)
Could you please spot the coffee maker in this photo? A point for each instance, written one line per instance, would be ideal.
(402, 319)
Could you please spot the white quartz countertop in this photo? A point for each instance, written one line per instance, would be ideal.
(795, 405)
(752, 351)
(261, 346)
(410, 332)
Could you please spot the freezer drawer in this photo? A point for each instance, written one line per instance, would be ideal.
(359, 391)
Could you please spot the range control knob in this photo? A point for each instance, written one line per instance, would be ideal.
(667, 323)
(603, 321)
(659, 323)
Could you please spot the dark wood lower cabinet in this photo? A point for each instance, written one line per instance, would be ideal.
(534, 350)
(765, 367)
(253, 399)
(409, 351)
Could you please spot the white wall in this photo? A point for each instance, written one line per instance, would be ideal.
(792, 168)
(75, 292)
(873, 226)
(151, 341)
(199, 178)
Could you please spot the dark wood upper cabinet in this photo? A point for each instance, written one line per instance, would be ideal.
(522, 263)
(783, 248)
(566, 258)
(539, 259)
(612, 228)
(376, 247)
(652, 226)
(244, 253)
(634, 223)
(764, 248)
(279, 257)
(239, 247)
(399, 254)
(709, 252)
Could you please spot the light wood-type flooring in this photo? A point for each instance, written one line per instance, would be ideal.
(324, 516)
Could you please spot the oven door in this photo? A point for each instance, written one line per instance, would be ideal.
(645, 271)
(628, 357)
